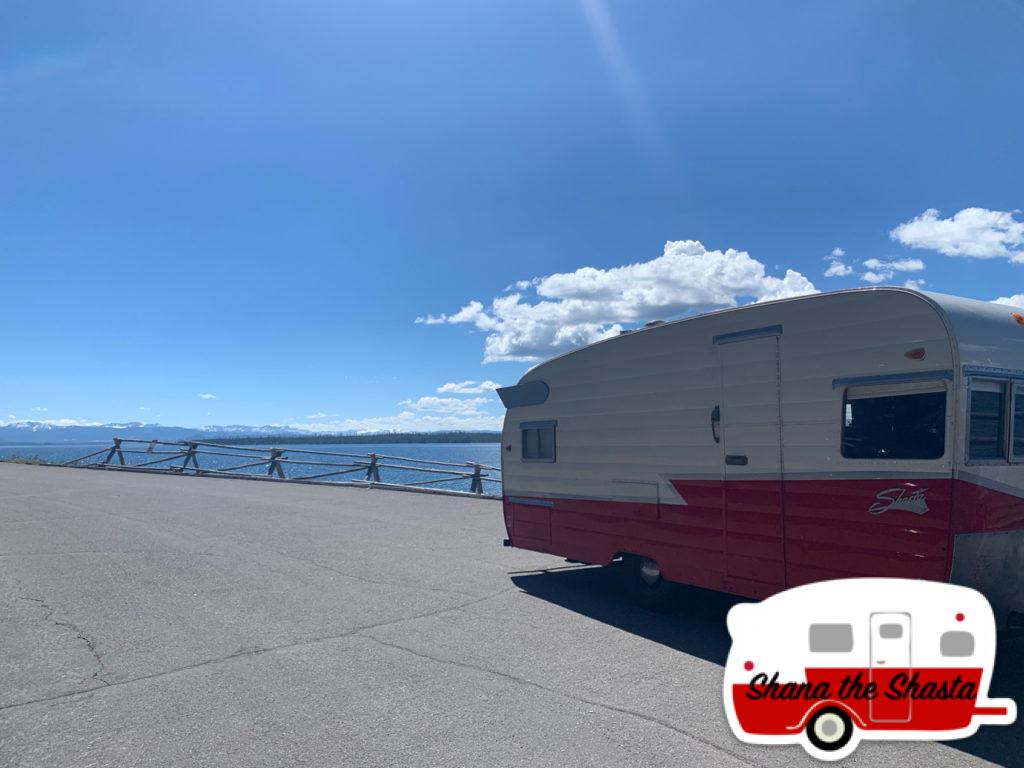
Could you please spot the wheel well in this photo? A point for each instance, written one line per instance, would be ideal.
(826, 704)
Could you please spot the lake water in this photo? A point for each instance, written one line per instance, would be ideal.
(405, 455)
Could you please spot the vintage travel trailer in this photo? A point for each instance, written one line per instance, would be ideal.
(873, 432)
(829, 664)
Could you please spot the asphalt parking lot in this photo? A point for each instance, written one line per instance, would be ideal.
(156, 621)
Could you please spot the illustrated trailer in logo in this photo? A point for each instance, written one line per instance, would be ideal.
(829, 664)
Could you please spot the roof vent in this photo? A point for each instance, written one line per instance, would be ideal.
(654, 323)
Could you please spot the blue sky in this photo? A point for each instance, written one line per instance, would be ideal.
(258, 201)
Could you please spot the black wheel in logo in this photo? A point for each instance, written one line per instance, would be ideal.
(830, 729)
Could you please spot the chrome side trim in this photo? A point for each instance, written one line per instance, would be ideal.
(984, 370)
(528, 502)
(885, 378)
(751, 333)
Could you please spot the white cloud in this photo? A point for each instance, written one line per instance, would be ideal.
(467, 406)
(916, 285)
(897, 265)
(208, 396)
(972, 232)
(39, 409)
(838, 253)
(881, 271)
(468, 387)
(836, 268)
(875, 278)
(1017, 300)
(320, 415)
(577, 308)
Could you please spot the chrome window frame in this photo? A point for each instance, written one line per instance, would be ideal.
(546, 424)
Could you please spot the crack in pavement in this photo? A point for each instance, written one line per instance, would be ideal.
(250, 653)
(562, 694)
(79, 635)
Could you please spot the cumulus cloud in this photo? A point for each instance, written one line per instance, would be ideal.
(836, 267)
(1017, 300)
(468, 387)
(882, 271)
(590, 304)
(973, 232)
(208, 396)
(916, 285)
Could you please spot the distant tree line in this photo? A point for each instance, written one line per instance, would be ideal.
(386, 437)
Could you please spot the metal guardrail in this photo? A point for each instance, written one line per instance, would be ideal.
(278, 460)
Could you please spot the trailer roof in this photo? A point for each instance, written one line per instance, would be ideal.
(987, 335)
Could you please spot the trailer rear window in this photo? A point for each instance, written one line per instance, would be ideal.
(956, 644)
(892, 424)
(988, 399)
(538, 440)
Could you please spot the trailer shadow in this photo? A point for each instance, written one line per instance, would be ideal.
(694, 623)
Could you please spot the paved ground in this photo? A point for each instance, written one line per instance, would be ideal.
(157, 621)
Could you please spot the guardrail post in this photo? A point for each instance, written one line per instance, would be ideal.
(190, 456)
(372, 471)
(275, 465)
(117, 447)
(477, 484)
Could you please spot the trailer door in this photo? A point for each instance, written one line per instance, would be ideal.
(890, 656)
(752, 455)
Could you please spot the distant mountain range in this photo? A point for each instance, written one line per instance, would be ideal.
(36, 432)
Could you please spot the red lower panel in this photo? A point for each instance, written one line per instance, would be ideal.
(937, 699)
(740, 542)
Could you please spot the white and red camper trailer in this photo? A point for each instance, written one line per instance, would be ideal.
(829, 664)
(875, 432)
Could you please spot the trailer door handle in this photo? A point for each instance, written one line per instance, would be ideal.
(736, 460)
(716, 420)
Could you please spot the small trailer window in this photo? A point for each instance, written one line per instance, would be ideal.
(831, 638)
(987, 422)
(894, 422)
(890, 631)
(538, 440)
(956, 644)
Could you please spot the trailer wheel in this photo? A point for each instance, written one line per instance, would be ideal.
(648, 586)
(830, 729)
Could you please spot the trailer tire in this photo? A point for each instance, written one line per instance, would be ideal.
(648, 587)
(830, 729)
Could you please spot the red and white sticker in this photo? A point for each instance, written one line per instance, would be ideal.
(828, 664)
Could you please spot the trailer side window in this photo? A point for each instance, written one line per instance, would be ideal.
(1018, 423)
(831, 638)
(988, 400)
(538, 440)
(956, 644)
(906, 422)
